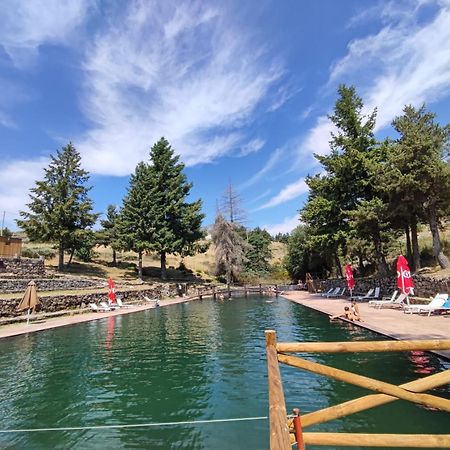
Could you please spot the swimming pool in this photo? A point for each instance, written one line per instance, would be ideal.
(187, 362)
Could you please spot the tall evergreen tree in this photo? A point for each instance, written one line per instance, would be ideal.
(258, 253)
(107, 236)
(60, 209)
(418, 171)
(156, 216)
(134, 230)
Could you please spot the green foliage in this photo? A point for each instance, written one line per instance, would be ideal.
(282, 237)
(108, 234)
(36, 252)
(258, 253)
(6, 232)
(155, 215)
(60, 207)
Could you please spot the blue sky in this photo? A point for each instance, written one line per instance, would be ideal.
(240, 89)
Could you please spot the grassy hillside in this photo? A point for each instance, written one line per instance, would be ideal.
(201, 265)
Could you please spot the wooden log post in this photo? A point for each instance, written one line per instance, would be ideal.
(229, 290)
(260, 289)
(245, 291)
(200, 294)
(279, 431)
(214, 292)
(276, 290)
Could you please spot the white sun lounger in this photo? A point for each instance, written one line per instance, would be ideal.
(437, 303)
(334, 292)
(97, 308)
(121, 304)
(392, 303)
(104, 306)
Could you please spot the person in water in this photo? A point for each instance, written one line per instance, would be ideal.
(347, 315)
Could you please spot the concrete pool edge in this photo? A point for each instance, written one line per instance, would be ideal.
(310, 301)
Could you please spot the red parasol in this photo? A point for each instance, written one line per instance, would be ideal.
(349, 277)
(111, 292)
(404, 279)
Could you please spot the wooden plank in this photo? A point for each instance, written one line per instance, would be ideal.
(363, 346)
(366, 382)
(279, 431)
(370, 401)
(378, 440)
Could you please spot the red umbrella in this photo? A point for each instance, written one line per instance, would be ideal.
(404, 279)
(349, 277)
(111, 292)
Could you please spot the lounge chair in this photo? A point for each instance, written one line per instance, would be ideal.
(103, 306)
(324, 294)
(332, 293)
(392, 303)
(369, 295)
(97, 308)
(156, 300)
(436, 304)
(339, 293)
(121, 304)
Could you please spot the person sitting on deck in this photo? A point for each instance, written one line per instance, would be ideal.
(354, 308)
(347, 315)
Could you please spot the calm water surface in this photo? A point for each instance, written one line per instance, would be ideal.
(193, 361)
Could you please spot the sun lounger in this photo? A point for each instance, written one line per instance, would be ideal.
(436, 304)
(372, 294)
(333, 292)
(97, 308)
(392, 303)
(339, 292)
(324, 294)
(121, 304)
(156, 300)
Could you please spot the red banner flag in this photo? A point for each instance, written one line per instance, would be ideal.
(349, 277)
(404, 279)
(111, 292)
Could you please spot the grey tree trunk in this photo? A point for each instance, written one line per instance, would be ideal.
(338, 265)
(114, 255)
(408, 245)
(61, 257)
(72, 252)
(382, 265)
(415, 245)
(163, 266)
(437, 244)
(140, 265)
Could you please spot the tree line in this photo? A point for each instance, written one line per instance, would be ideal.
(370, 193)
(155, 215)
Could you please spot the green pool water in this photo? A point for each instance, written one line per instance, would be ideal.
(194, 361)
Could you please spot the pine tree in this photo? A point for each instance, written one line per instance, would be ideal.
(176, 223)
(134, 231)
(258, 252)
(60, 210)
(107, 236)
(156, 216)
(417, 169)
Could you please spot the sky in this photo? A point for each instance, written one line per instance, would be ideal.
(241, 90)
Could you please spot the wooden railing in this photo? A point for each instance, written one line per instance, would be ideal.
(244, 290)
(282, 435)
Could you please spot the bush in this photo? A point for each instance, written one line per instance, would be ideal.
(34, 252)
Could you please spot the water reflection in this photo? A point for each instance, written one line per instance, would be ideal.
(192, 361)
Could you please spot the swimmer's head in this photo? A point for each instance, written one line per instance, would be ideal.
(346, 308)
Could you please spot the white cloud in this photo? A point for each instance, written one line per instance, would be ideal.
(283, 95)
(288, 224)
(27, 24)
(252, 147)
(183, 72)
(271, 162)
(406, 62)
(17, 179)
(289, 192)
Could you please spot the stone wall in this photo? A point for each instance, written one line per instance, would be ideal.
(28, 267)
(11, 284)
(73, 301)
(423, 286)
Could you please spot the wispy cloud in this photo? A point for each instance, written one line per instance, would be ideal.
(17, 178)
(286, 226)
(290, 192)
(252, 147)
(27, 24)
(268, 166)
(182, 71)
(283, 94)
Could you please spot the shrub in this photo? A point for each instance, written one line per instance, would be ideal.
(33, 252)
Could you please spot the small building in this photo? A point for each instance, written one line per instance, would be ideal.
(10, 247)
